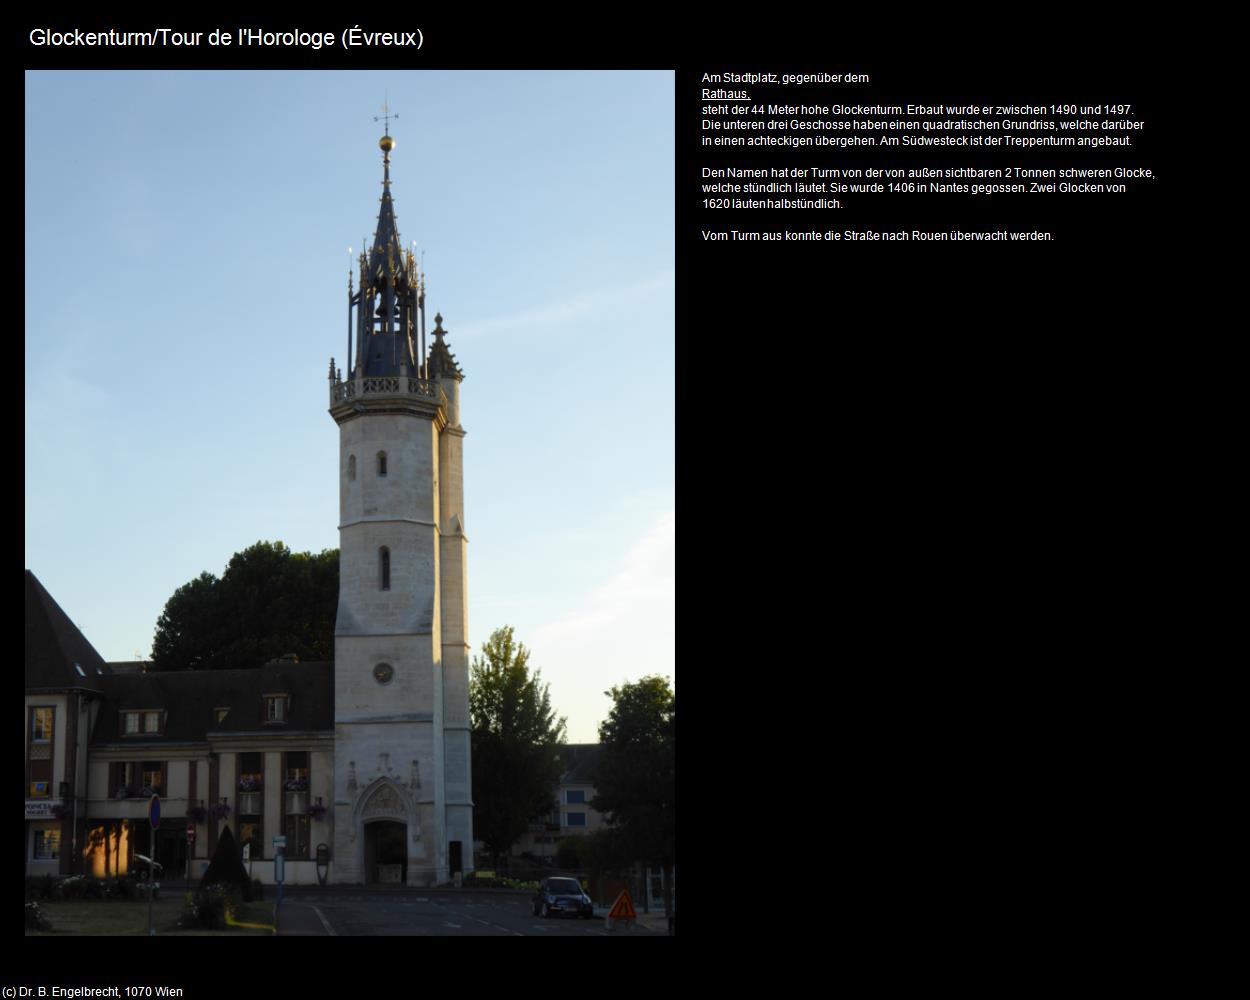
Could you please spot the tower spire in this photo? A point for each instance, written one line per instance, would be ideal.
(388, 301)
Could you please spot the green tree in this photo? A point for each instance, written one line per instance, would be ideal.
(269, 601)
(516, 740)
(635, 783)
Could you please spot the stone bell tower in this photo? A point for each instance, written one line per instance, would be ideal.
(402, 807)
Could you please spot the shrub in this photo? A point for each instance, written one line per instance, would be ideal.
(209, 907)
(36, 920)
(74, 887)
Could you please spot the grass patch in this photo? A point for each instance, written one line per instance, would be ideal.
(95, 917)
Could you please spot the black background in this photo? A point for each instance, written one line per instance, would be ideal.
(913, 482)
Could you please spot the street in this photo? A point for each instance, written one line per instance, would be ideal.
(436, 914)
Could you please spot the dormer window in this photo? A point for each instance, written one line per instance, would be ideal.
(276, 707)
(145, 723)
(219, 715)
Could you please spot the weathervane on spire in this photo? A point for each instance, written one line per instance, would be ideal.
(386, 143)
(385, 117)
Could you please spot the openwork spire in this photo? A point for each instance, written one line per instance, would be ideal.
(388, 304)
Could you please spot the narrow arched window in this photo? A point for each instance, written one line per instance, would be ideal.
(381, 463)
(384, 567)
(351, 468)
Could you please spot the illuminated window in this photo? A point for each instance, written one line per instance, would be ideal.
(275, 708)
(47, 845)
(41, 725)
(151, 722)
(131, 727)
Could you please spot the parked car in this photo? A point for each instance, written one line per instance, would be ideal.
(562, 894)
(139, 874)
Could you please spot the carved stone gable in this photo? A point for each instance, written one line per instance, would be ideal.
(384, 802)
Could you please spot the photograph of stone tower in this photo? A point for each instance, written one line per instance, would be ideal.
(486, 262)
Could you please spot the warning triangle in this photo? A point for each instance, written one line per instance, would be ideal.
(622, 909)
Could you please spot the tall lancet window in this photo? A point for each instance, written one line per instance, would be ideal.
(384, 568)
(351, 468)
(381, 463)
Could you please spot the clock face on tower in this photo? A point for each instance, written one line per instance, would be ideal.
(383, 673)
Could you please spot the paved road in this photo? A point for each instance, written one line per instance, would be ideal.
(435, 915)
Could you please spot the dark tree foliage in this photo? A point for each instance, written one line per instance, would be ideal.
(226, 868)
(516, 740)
(635, 778)
(269, 601)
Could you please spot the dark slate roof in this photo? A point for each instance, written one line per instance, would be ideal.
(54, 645)
(579, 761)
(442, 361)
(190, 698)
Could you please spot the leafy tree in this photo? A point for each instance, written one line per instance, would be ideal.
(515, 742)
(268, 602)
(635, 781)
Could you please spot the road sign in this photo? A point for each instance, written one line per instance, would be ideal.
(623, 908)
(279, 841)
(154, 812)
(190, 833)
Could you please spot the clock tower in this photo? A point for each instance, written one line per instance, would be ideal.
(402, 806)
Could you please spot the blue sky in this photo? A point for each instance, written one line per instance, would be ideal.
(186, 251)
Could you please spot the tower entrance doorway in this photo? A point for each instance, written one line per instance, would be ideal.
(386, 853)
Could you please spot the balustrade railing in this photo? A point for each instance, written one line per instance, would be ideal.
(386, 386)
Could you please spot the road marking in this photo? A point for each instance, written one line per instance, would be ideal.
(325, 923)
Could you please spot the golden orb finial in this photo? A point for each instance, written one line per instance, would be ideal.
(386, 143)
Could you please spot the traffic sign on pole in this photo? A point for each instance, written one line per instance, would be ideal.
(154, 812)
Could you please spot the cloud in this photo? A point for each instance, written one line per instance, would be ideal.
(579, 306)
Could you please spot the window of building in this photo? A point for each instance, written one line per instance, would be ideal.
(295, 822)
(41, 725)
(219, 714)
(384, 567)
(251, 785)
(295, 829)
(47, 845)
(152, 774)
(575, 797)
(39, 789)
(381, 463)
(275, 707)
(251, 832)
(576, 819)
(145, 723)
(351, 468)
(251, 802)
(122, 779)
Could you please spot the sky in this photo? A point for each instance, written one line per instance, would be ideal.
(186, 263)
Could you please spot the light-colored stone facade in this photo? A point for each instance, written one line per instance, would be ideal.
(401, 733)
